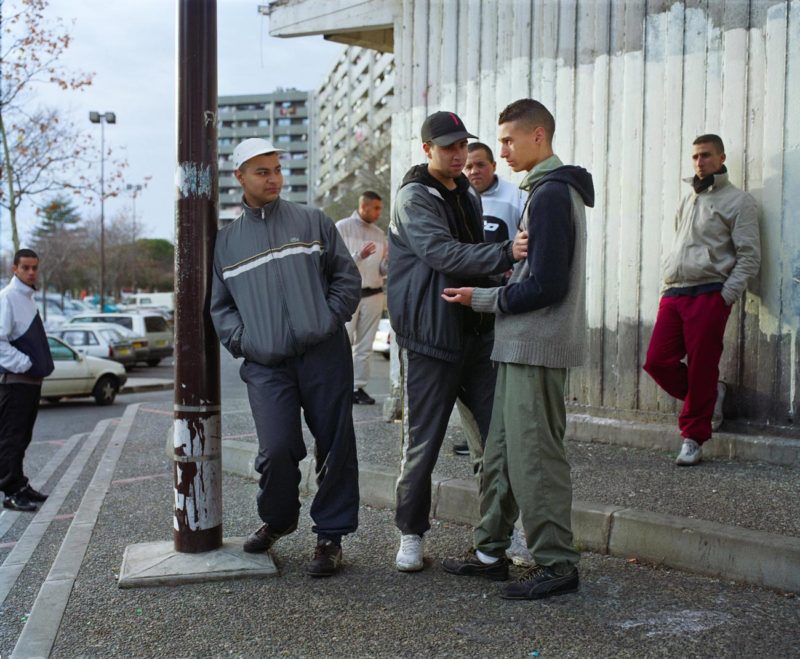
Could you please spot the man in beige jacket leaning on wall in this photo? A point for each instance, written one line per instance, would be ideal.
(715, 252)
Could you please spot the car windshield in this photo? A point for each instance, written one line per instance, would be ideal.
(112, 335)
(59, 351)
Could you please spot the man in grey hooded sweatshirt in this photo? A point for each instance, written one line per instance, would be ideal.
(540, 331)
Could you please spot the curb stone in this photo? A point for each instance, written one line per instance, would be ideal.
(635, 434)
(693, 545)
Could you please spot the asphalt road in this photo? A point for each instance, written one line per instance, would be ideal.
(59, 421)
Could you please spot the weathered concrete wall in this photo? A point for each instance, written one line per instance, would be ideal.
(631, 83)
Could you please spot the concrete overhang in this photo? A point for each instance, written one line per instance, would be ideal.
(365, 23)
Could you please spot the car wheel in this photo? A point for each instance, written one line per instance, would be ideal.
(153, 362)
(105, 391)
(53, 399)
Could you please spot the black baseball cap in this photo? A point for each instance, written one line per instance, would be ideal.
(444, 129)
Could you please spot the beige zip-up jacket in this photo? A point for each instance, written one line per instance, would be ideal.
(716, 240)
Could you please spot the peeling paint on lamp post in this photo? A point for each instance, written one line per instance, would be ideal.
(197, 437)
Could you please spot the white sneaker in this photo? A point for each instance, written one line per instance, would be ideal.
(690, 453)
(518, 552)
(717, 418)
(409, 558)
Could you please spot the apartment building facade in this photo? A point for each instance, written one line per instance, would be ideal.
(352, 124)
(282, 117)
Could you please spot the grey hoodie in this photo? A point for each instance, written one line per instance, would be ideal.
(283, 281)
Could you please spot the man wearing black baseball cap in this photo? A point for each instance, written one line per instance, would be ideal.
(436, 240)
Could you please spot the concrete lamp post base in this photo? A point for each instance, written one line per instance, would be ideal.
(158, 564)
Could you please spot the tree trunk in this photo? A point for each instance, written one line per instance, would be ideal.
(9, 173)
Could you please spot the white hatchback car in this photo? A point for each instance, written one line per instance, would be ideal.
(76, 376)
(153, 326)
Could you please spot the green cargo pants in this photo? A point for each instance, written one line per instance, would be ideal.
(525, 468)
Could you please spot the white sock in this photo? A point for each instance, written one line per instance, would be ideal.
(485, 558)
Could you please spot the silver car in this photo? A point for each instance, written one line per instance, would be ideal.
(106, 340)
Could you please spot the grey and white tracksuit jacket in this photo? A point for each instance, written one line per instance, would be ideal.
(283, 287)
(436, 241)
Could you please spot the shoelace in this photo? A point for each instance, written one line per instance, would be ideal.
(410, 543)
(531, 573)
(323, 548)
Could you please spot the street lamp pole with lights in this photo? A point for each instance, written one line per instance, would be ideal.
(134, 189)
(102, 118)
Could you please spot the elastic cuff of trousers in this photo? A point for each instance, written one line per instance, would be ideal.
(699, 441)
(335, 539)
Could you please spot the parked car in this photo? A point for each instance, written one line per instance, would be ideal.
(152, 326)
(383, 338)
(99, 340)
(50, 311)
(76, 376)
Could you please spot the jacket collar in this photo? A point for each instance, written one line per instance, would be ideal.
(356, 216)
(720, 181)
(18, 285)
(260, 213)
(540, 171)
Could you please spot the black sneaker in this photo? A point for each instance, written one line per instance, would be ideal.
(540, 582)
(260, 540)
(33, 495)
(461, 449)
(361, 397)
(19, 502)
(469, 565)
(327, 560)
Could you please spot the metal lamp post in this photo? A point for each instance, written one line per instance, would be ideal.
(134, 189)
(102, 118)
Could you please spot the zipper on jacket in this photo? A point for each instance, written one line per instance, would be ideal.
(282, 288)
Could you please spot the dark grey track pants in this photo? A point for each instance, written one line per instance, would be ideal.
(320, 381)
(430, 389)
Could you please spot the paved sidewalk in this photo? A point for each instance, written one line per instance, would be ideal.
(624, 608)
(634, 510)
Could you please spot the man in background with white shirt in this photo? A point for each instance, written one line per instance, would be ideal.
(368, 247)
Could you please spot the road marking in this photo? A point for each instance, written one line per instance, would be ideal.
(8, 517)
(150, 410)
(123, 481)
(19, 556)
(39, 634)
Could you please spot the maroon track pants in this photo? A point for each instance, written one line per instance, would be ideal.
(692, 327)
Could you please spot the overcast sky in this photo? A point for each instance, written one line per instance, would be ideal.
(130, 46)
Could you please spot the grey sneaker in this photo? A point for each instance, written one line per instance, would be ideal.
(690, 453)
(717, 418)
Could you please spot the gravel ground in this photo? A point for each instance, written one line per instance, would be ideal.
(623, 609)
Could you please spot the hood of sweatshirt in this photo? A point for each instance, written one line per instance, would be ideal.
(553, 169)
